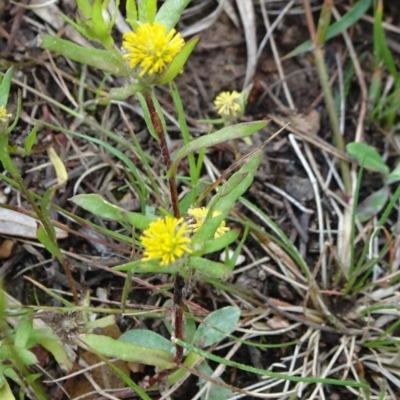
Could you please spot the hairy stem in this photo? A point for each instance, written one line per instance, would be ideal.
(158, 127)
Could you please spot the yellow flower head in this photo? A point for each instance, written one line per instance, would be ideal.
(228, 105)
(165, 239)
(3, 114)
(150, 48)
(199, 215)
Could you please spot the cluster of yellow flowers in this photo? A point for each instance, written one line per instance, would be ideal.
(150, 49)
(168, 238)
(228, 105)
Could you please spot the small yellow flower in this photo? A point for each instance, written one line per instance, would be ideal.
(166, 239)
(228, 104)
(3, 114)
(150, 48)
(199, 215)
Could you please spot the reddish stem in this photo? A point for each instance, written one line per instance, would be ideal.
(156, 121)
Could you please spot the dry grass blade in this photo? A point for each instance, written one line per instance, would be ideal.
(247, 15)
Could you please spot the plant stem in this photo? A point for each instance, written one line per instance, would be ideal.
(158, 128)
(179, 286)
(318, 39)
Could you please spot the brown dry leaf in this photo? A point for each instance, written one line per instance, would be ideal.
(277, 322)
(13, 223)
(308, 123)
(6, 248)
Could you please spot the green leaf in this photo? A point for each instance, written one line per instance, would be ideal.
(151, 9)
(11, 352)
(368, 157)
(102, 59)
(337, 27)
(210, 268)
(131, 10)
(49, 244)
(394, 176)
(5, 156)
(179, 61)
(5, 392)
(229, 132)
(215, 392)
(381, 49)
(85, 8)
(23, 332)
(170, 12)
(11, 374)
(226, 197)
(95, 204)
(216, 326)
(30, 141)
(217, 244)
(122, 93)
(101, 27)
(373, 204)
(146, 338)
(58, 352)
(128, 352)
(5, 87)
(45, 209)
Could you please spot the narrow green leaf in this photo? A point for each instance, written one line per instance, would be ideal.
(368, 157)
(216, 326)
(142, 11)
(350, 18)
(373, 204)
(5, 156)
(109, 347)
(6, 392)
(57, 351)
(10, 352)
(217, 244)
(264, 372)
(45, 209)
(101, 27)
(23, 332)
(5, 87)
(214, 392)
(146, 338)
(151, 8)
(210, 268)
(131, 10)
(224, 134)
(394, 176)
(49, 245)
(95, 204)
(170, 12)
(122, 93)
(101, 59)
(179, 61)
(226, 197)
(85, 8)
(30, 141)
(381, 49)
(139, 221)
